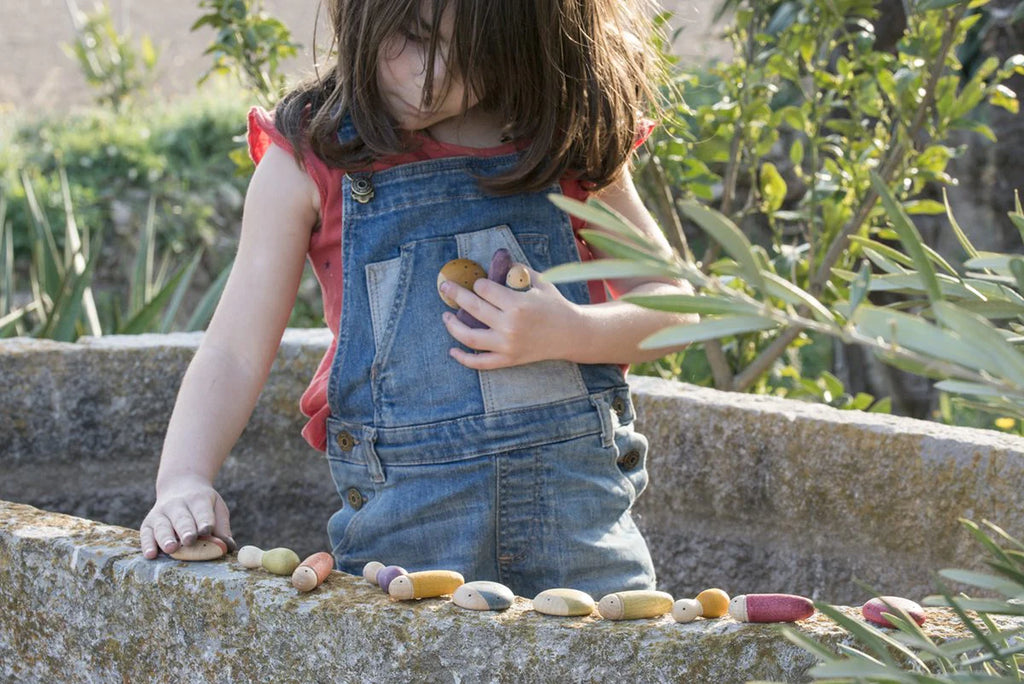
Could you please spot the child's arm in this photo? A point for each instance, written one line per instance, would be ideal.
(541, 324)
(226, 375)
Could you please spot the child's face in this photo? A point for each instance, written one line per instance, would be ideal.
(402, 71)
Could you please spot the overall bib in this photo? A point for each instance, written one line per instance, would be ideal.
(521, 475)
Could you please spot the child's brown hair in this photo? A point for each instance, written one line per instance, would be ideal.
(571, 79)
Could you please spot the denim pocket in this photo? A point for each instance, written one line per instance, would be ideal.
(412, 375)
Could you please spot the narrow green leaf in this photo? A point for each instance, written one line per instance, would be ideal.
(929, 5)
(926, 207)
(615, 247)
(141, 284)
(909, 237)
(777, 286)
(14, 316)
(732, 239)
(701, 304)
(939, 260)
(994, 606)
(596, 213)
(892, 254)
(179, 293)
(1018, 221)
(961, 236)
(707, 329)
(605, 269)
(1002, 534)
(142, 320)
(45, 255)
(913, 282)
(884, 262)
(882, 406)
(916, 334)
(1017, 268)
(976, 389)
(984, 580)
(992, 261)
(6, 259)
(62, 319)
(859, 287)
(1002, 359)
(982, 537)
(76, 258)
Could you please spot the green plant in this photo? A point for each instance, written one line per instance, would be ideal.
(116, 162)
(250, 44)
(941, 326)
(993, 653)
(944, 324)
(784, 140)
(65, 303)
(112, 65)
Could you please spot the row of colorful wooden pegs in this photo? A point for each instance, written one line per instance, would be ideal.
(395, 581)
(567, 602)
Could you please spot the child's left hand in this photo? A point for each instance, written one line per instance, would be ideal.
(523, 327)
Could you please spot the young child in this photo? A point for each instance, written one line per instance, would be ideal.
(506, 453)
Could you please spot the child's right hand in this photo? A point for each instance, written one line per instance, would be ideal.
(185, 509)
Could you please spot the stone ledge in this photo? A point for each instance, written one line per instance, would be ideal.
(80, 605)
(746, 491)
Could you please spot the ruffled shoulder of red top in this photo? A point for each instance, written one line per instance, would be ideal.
(262, 133)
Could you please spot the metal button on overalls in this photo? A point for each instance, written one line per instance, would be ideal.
(346, 441)
(630, 459)
(362, 188)
(355, 498)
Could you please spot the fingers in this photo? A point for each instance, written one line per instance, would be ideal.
(157, 533)
(482, 361)
(222, 524)
(177, 511)
(477, 301)
(474, 338)
(180, 521)
(147, 540)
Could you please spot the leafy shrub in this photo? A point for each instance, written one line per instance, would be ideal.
(153, 180)
(111, 64)
(783, 139)
(115, 162)
(249, 44)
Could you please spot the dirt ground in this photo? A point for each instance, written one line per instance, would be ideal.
(37, 75)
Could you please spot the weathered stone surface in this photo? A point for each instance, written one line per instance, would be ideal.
(82, 427)
(79, 604)
(784, 496)
(781, 496)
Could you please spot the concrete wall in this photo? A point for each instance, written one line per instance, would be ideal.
(78, 604)
(747, 493)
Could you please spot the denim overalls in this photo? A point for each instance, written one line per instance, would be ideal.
(520, 475)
